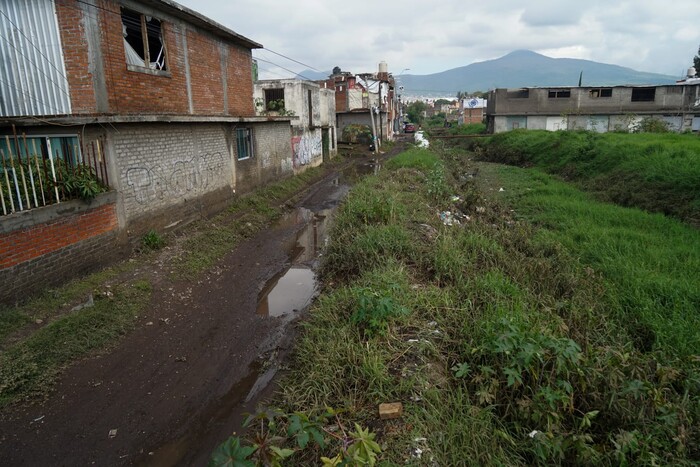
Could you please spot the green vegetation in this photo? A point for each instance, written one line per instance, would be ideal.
(29, 366)
(651, 263)
(469, 129)
(48, 333)
(415, 110)
(152, 240)
(272, 430)
(654, 172)
(507, 342)
(251, 213)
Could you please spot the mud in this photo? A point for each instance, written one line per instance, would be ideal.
(203, 355)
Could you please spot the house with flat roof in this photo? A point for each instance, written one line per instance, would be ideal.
(595, 108)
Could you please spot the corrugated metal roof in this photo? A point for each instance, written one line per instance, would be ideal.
(32, 74)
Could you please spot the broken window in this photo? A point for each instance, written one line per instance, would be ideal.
(559, 93)
(519, 94)
(274, 99)
(602, 92)
(244, 143)
(643, 94)
(143, 41)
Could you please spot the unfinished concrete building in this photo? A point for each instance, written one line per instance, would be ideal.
(595, 108)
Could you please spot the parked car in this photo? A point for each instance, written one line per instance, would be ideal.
(409, 128)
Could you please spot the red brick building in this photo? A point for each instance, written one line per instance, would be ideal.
(155, 97)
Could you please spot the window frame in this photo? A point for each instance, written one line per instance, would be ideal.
(600, 93)
(244, 144)
(559, 94)
(643, 94)
(143, 29)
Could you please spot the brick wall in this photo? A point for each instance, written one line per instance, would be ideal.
(138, 92)
(47, 246)
(240, 82)
(75, 56)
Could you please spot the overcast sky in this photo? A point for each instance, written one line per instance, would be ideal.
(430, 37)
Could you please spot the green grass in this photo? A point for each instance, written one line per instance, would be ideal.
(29, 367)
(655, 172)
(415, 158)
(502, 328)
(651, 263)
(42, 337)
(253, 212)
(469, 129)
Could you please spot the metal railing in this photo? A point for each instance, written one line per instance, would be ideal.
(40, 171)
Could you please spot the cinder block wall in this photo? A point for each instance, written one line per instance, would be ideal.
(272, 157)
(45, 246)
(163, 169)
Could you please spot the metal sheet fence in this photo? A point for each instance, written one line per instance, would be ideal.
(38, 171)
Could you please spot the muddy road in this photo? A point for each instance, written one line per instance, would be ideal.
(203, 354)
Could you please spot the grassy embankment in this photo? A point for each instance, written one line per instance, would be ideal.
(507, 343)
(654, 172)
(41, 337)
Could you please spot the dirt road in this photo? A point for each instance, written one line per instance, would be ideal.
(203, 354)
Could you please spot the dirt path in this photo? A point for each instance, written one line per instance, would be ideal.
(200, 357)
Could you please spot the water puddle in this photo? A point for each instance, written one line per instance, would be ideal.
(211, 420)
(289, 293)
(293, 289)
(356, 171)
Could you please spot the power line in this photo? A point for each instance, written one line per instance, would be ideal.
(286, 69)
(291, 59)
(196, 38)
(188, 38)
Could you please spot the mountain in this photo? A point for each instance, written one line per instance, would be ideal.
(524, 68)
(313, 75)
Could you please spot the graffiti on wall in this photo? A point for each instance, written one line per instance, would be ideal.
(306, 148)
(175, 179)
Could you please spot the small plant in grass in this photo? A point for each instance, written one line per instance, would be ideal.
(152, 240)
(273, 430)
(375, 310)
(438, 188)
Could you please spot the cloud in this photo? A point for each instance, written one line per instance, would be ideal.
(647, 35)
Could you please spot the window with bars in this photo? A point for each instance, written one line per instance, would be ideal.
(274, 99)
(143, 41)
(244, 143)
(38, 170)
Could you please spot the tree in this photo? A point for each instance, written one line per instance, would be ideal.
(415, 111)
(696, 61)
(440, 102)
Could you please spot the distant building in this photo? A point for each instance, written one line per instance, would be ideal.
(314, 130)
(355, 94)
(472, 110)
(595, 108)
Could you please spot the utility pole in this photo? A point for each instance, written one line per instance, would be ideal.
(371, 114)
